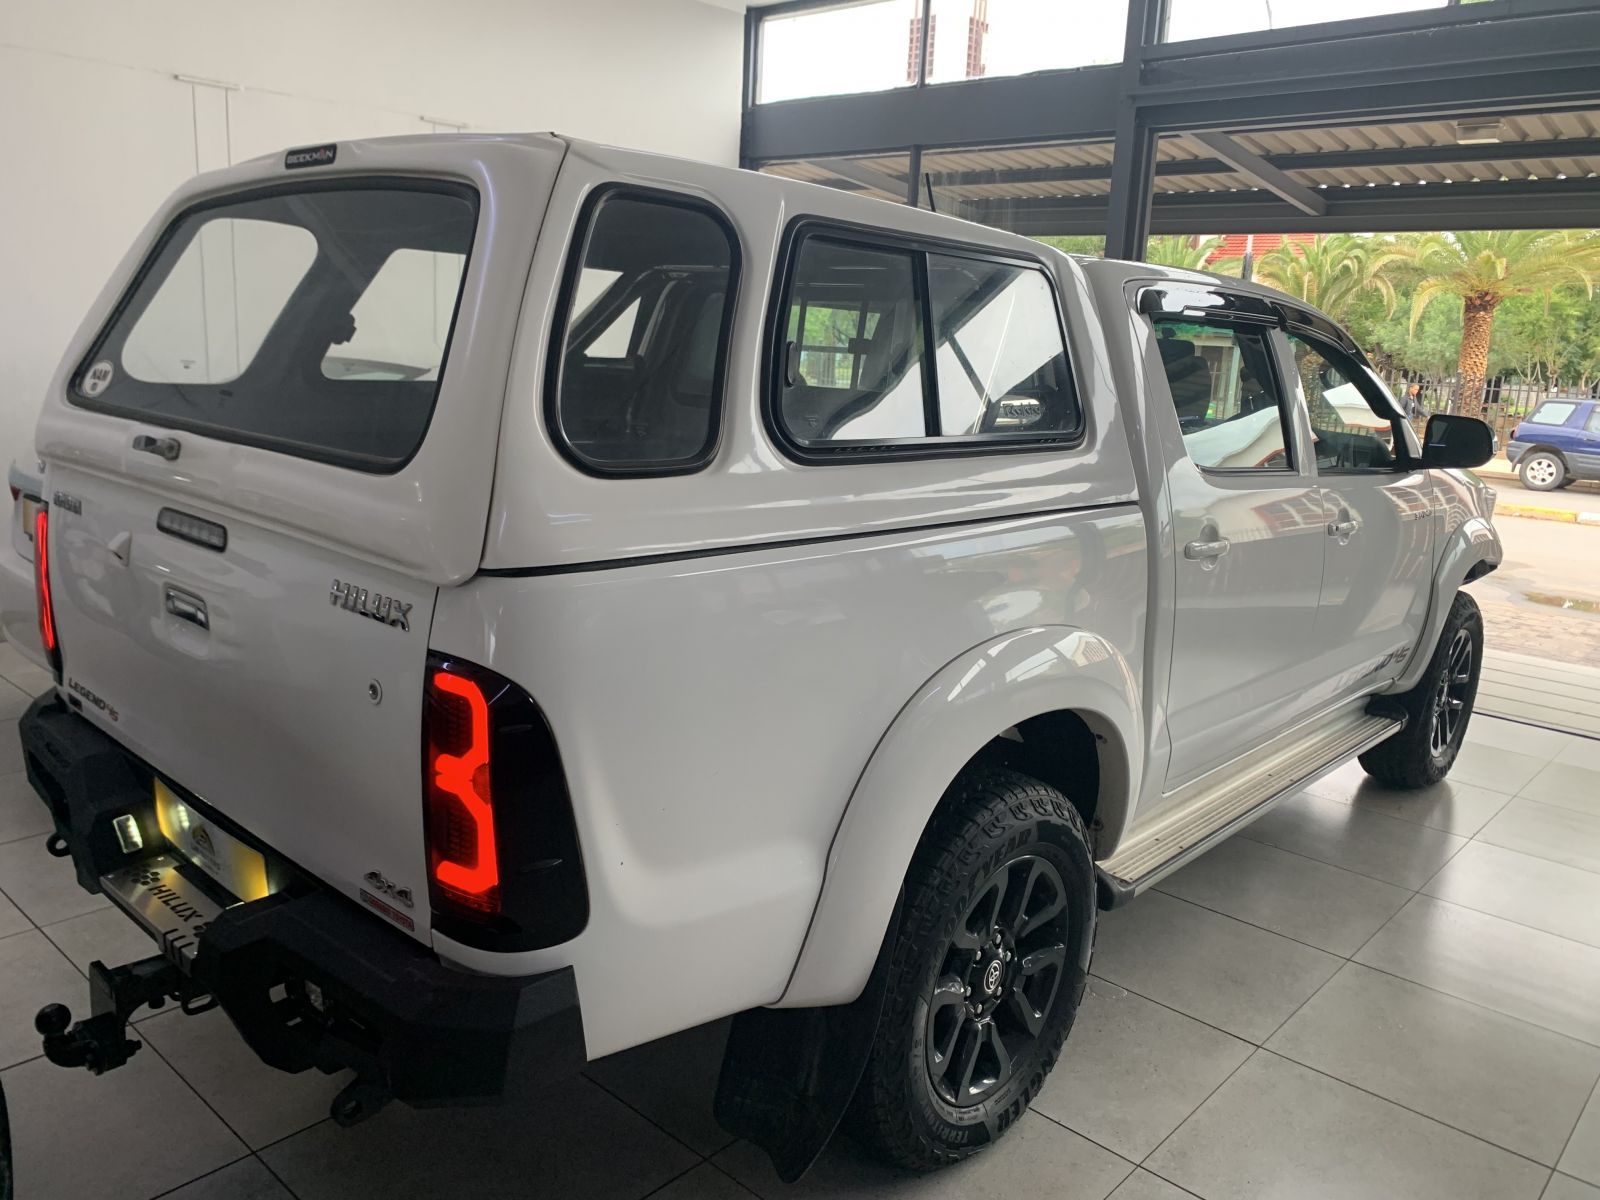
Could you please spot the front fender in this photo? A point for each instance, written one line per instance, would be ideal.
(1470, 544)
(967, 703)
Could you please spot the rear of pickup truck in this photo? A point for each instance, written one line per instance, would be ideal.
(269, 447)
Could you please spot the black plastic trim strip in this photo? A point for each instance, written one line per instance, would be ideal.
(649, 560)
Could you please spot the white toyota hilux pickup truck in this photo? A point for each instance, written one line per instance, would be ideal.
(513, 599)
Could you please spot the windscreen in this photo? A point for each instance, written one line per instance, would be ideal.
(314, 322)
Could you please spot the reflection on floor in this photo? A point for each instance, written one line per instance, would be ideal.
(1366, 994)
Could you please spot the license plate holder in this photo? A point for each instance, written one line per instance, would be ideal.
(238, 869)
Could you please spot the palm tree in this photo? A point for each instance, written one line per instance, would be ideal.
(1180, 250)
(1482, 269)
(1333, 271)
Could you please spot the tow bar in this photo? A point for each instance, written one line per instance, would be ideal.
(101, 1042)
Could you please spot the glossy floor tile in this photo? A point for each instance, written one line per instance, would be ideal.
(1566, 785)
(581, 1142)
(33, 973)
(1240, 978)
(131, 1133)
(1397, 852)
(1495, 768)
(1132, 1071)
(261, 1105)
(1142, 1185)
(1040, 1158)
(1324, 906)
(1564, 1187)
(1524, 973)
(1278, 1130)
(1520, 887)
(1562, 835)
(1582, 1158)
(1450, 805)
(44, 888)
(22, 814)
(1508, 1082)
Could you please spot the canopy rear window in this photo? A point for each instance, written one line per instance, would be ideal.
(313, 321)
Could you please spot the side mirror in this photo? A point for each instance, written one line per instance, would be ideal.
(1451, 441)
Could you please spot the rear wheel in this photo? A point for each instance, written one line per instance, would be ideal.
(987, 973)
(1437, 709)
(1542, 471)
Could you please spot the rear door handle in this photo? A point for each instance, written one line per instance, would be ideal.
(163, 447)
(186, 606)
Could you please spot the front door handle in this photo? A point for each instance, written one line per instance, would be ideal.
(1206, 552)
(1341, 529)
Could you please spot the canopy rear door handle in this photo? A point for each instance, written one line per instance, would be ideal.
(162, 447)
(186, 606)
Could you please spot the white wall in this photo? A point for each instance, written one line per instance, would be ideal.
(95, 130)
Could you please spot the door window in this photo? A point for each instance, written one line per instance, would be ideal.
(1353, 428)
(1230, 407)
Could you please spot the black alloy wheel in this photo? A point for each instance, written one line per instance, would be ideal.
(1000, 976)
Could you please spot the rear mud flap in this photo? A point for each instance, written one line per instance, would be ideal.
(788, 1074)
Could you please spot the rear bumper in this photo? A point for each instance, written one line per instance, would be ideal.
(1515, 450)
(310, 979)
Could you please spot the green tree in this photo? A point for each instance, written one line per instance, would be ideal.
(1076, 244)
(1482, 270)
(1334, 271)
(1180, 250)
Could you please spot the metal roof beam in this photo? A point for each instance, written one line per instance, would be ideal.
(1257, 169)
(1543, 204)
(893, 186)
(1306, 160)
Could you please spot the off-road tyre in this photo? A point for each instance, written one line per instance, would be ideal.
(1422, 753)
(991, 824)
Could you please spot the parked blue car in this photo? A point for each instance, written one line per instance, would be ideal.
(1558, 444)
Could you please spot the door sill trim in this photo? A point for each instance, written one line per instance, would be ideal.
(1216, 813)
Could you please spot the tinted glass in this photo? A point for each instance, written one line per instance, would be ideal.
(1229, 406)
(852, 356)
(1350, 431)
(1593, 424)
(644, 336)
(1001, 361)
(314, 323)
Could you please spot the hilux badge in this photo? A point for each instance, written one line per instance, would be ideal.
(358, 599)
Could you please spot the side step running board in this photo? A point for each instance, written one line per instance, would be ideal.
(1219, 809)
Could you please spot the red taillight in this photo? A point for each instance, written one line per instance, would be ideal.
(461, 839)
(41, 587)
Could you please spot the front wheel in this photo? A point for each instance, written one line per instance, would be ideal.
(987, 971)
(1542, 472)
(1437, 709)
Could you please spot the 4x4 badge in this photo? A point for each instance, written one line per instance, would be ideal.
(370, 604)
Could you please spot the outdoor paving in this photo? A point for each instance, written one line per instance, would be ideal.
(1365, 994)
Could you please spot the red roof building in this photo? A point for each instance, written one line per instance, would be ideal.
(1234, 245)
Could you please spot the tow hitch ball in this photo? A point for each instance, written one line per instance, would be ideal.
(101, 1042)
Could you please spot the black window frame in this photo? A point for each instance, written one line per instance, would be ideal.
(296, 187)
(555, 344)
(1235, 320)
(876, 238)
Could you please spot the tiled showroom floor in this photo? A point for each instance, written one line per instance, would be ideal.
(1365, 995)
